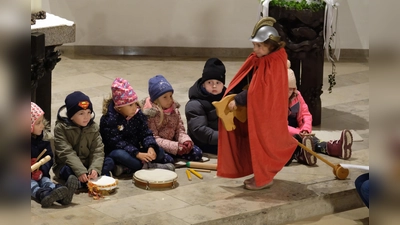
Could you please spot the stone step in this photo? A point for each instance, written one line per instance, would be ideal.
(349, 217)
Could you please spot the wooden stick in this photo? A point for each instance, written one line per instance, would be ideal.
(201, 170)
(41, 154)
(188, 175)
(200, 165)
(41, 162)
(316, 155)
(196, 173)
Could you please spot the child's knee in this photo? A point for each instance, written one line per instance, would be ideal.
(65, 172)
(197, 151)
(108, 163)
(168, 159)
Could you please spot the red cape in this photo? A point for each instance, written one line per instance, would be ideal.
(262, 145)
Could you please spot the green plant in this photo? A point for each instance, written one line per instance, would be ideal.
(332, 76)
(314, 5)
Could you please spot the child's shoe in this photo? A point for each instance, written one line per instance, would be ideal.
(341, 148)
(166, 166)
(46, 196)
(119, 169)
(304, 156)
(253, 186)
(72, 184)
(249, 181)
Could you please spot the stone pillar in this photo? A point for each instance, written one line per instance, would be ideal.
(46, 35)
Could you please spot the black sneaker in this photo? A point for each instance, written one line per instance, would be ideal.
(119, 169)
(72, 184)
(166, 166)
(48, 196)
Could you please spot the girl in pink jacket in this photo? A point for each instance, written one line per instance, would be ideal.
(166, 123)
(299, 125)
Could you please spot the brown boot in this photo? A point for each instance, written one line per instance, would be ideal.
(305, 157)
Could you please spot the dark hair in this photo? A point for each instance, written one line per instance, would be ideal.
(273, 45)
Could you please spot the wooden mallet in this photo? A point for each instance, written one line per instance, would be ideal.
(340, 172)
(41, 162)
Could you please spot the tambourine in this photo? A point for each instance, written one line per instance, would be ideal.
(102, 186)
(155, 178)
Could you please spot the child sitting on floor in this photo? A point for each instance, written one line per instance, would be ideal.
(42, 188)
(201, 115)
(78, 145)
(166, 123)
(127, 138)
(299, 125)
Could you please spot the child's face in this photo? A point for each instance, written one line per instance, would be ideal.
(213, 86)
(260, 49)
(291, 90)
(166, 100)
(82, 117)
(128, 110)
(38, 126)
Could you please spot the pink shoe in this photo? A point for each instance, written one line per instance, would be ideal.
(253, 186)
(249, 181)
(341, 148)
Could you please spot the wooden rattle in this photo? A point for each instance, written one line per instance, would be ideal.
(199, 165)
(41, 162)
(340, 172)
(227, 115)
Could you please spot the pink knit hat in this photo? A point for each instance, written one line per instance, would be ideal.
(122, 92)
(36, 112)
(292, 79)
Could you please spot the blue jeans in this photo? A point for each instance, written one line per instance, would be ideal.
(362, 186)
(44, 182)
(123, 158)
(108, 165)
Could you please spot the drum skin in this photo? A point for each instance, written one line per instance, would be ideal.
(155, 178)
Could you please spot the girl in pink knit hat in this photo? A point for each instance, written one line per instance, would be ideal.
(126, 136)
(166, 123)
(42, 188)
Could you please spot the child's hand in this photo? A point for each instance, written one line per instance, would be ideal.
(83, 178)
(144, 157)
(303, 133)
(33, 161)
(182, 149)
(37, 175)
(152, 153)
(189, 146)
(232, 105)
(93, 174)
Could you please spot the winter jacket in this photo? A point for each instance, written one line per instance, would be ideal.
(129, 135)
(171, 132)
(81, 148)
(38, 144)
(201, 116)
(299, 110)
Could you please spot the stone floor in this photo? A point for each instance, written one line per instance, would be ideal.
(299, 192)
